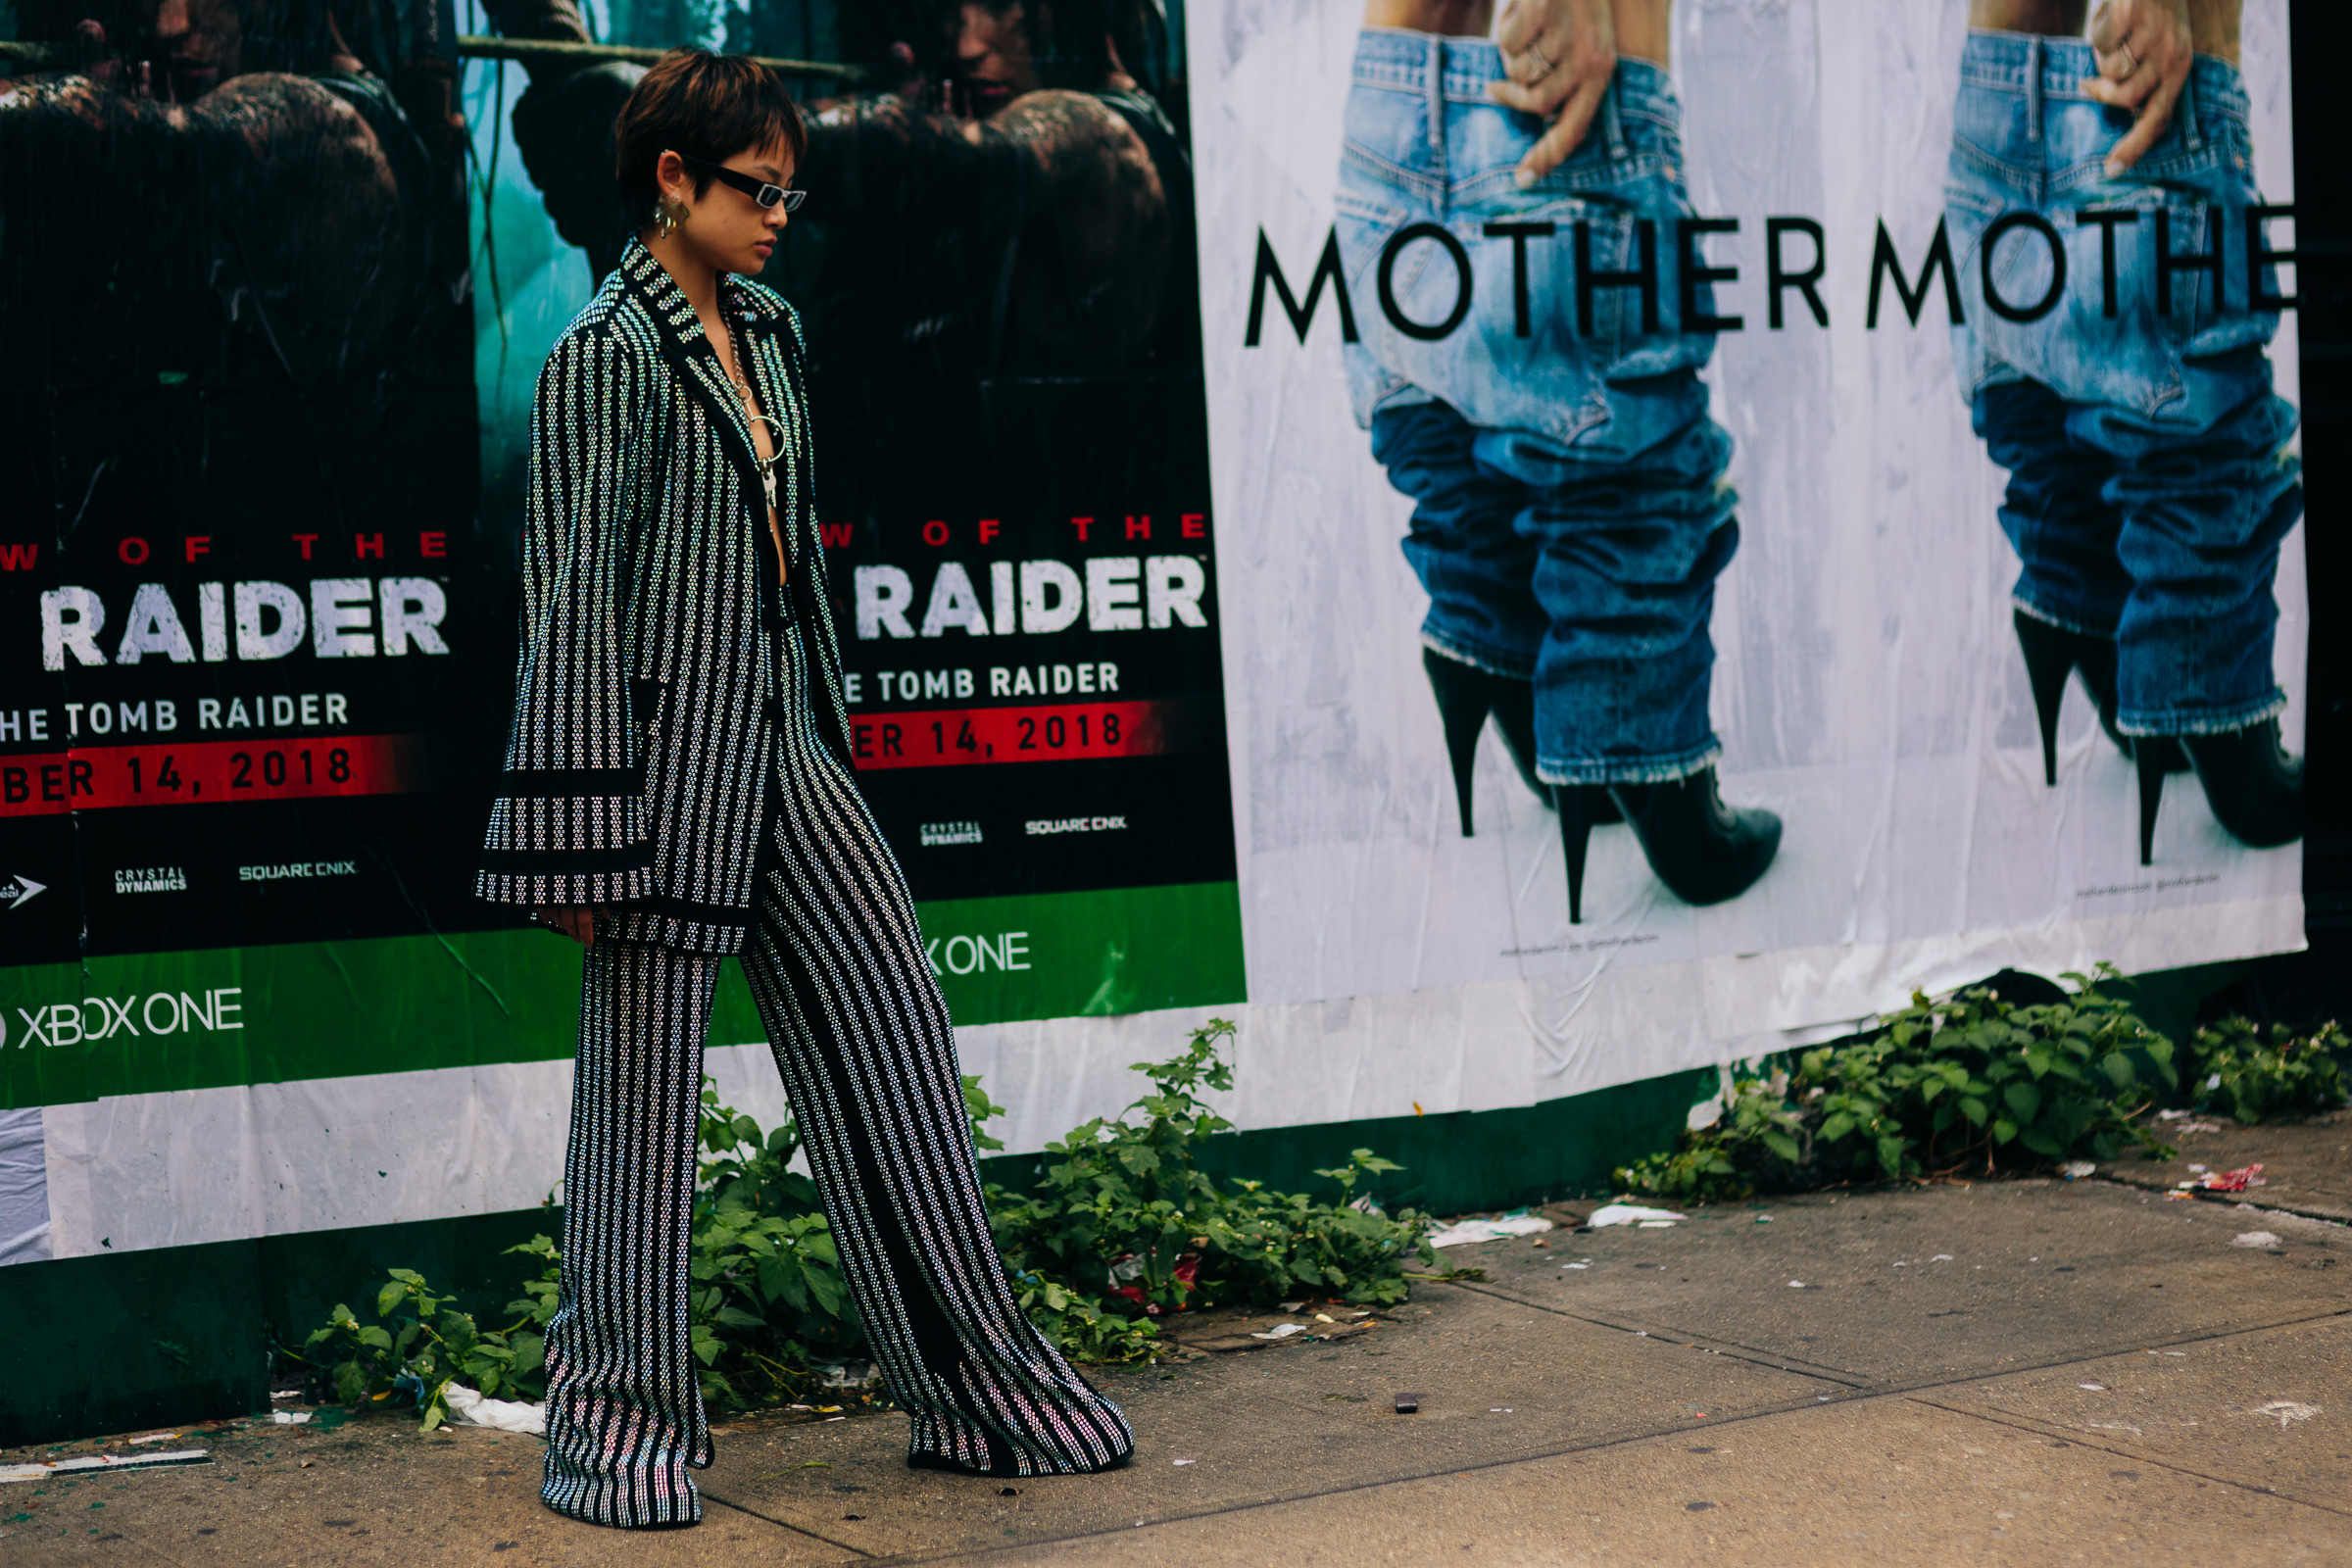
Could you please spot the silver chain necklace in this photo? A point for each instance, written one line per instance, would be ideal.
(751, 413)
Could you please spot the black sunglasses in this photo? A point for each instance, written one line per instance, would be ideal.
(759, 190)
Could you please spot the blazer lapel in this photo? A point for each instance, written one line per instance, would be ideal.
(687, 350)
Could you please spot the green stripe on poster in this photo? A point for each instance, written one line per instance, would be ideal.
(1086, 955)
(152, 1022)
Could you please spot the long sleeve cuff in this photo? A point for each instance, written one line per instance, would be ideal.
(587, 847)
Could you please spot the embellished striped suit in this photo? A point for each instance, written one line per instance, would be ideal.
(680, 755)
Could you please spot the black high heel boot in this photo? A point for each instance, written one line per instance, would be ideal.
(1463, 703)
(2051, 653)
(1704, 850)
(1466, 695)
(2255, 789)
(1576, 803)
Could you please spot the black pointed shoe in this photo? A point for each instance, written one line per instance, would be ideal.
(1704, 850)
(2253, 786)
(1467, 696)
(2051, 654)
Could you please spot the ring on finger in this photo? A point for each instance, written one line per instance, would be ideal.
(1535, 47)
(2131, 59)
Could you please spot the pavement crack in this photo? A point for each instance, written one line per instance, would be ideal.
(786, 1524)
(1666, 1334)
(2075, 1436)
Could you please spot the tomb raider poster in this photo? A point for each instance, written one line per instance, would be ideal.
(280, 275)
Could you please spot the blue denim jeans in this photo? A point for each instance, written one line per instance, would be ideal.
(2149, 482)
(1570, 513)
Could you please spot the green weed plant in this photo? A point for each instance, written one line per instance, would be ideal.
(2237, 1067)
(769, 1297)
(1124, 1226)
(1969, 1084)
(422, 1340)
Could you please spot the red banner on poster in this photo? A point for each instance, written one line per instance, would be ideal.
(209, 773)
(1055, 732)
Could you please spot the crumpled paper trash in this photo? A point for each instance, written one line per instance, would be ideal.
(469, 1407)
(1632, 1214)
(1463, 1233)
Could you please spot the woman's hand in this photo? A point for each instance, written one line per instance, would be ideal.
(1560, 56)
(574, 920)
(2145, 50)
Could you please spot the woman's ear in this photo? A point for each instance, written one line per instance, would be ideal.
(669, 175)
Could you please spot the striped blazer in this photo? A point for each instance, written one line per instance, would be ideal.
(644, 704)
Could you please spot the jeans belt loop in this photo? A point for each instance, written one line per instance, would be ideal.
(1612, 128)
(1436, 89)
(2034, 63)
(2184, 113)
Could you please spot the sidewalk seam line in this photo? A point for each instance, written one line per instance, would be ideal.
(798, 1530)
(2017, 1423)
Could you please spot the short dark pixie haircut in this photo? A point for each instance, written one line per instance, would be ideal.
(704, 106)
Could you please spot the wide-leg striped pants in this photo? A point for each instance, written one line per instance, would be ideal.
(860, 1034)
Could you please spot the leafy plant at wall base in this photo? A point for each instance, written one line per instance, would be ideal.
(1123, 1203)
(769, 1296)
(1123, 1229)
(1967, 1083)
(2237, 1069)
(420, 1337)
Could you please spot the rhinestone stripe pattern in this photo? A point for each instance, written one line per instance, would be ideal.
(643, 717)
(861, 1038)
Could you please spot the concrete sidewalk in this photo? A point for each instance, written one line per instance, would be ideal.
(2036, 1371)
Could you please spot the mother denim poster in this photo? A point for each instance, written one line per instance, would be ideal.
(1793, 553)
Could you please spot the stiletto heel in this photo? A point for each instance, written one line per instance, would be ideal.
(1572, 802)
(1463, 703)
(2151, 791)
(2049, 659)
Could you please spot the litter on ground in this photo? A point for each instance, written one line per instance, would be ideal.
(2231, 1181)
(1281, 1330)
(469, 1407)
(1461, 1233)
(2255, 1239)
(1630, 1215)
(2287, 1410)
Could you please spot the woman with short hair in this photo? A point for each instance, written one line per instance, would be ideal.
(678, 788)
